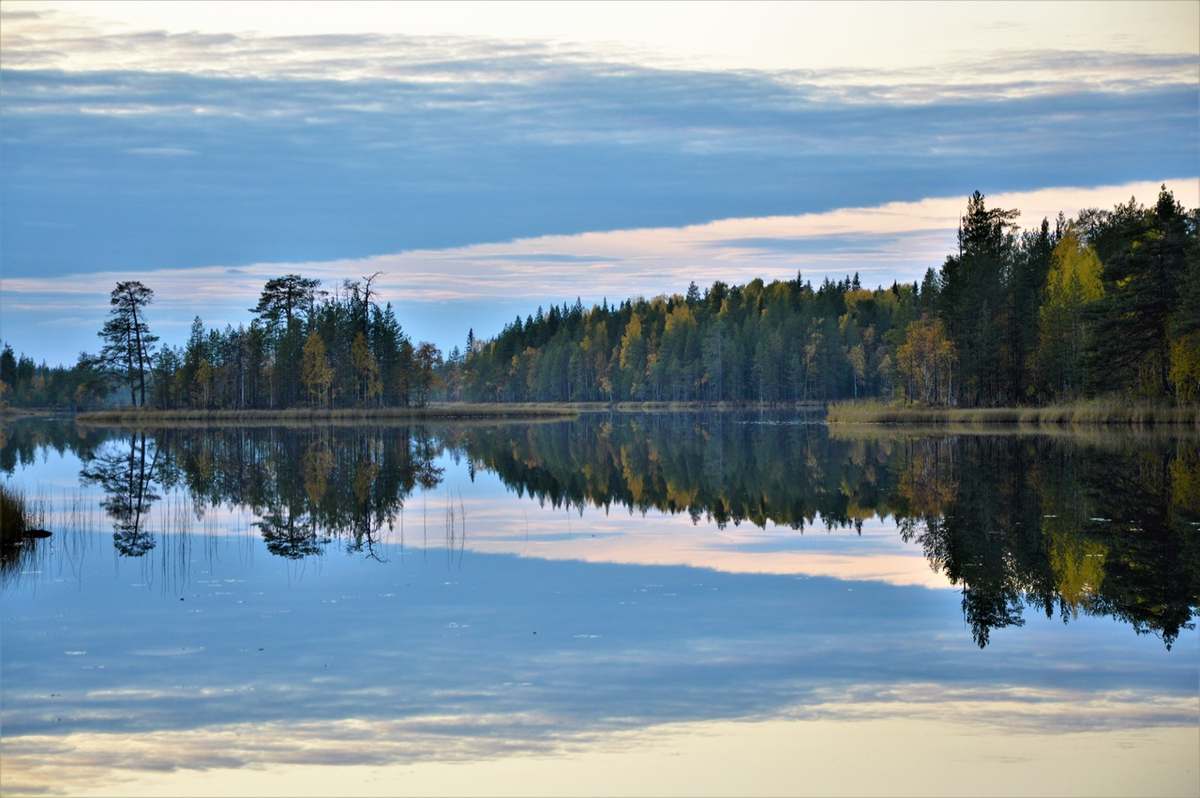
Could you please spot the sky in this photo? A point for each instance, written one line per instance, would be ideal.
(490, 158)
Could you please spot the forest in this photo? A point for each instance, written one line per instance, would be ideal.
(1104, 303)
(305, 347)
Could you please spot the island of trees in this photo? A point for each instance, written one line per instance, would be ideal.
(1106, 302)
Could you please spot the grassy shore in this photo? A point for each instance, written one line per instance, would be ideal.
(446, 411)
(1111, 412)
(143, 416)
(1094, 412)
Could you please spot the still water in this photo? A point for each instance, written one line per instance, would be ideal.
(680, 604)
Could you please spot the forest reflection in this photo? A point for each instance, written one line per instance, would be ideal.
(1066, 524)
(307, 486)
(1101, 523)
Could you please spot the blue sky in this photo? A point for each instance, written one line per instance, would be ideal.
(526, 156)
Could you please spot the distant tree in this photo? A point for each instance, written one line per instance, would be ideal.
(1025, 283)
(427, 358)
(632, 359)
(128, 344)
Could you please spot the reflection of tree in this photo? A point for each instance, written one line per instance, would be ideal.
(1067, 523)
(290, 534)
(1010, 519)
(713, 466)
(308, 486)
(981, 526)
(1099, 530)
(1147, 521)
(128, 482)
(20, 442)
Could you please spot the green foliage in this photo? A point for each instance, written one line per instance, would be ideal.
(1106, 303)
(777, 342)
(1053, 314)
(305, 348)
(1149, 257)
(26, 384)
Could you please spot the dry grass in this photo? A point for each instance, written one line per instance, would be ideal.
(448, 412)
(1107, 412)
(444, 411)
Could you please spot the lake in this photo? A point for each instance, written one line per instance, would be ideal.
(701, 603)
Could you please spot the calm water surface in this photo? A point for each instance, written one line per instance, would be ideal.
(681, 604)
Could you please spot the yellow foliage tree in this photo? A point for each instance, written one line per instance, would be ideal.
(1072, 283)
(315, 371)
(366, 367)
(1077, 563)
(926, 363)
(633, 357)
(315, 467)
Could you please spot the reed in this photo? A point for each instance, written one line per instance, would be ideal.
(15, 515)
(20, 515)
(1107, 411)
(21, 525)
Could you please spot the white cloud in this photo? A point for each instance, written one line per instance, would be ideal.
(905, 239)
(893, 52)
(996, 735)
(770, 36)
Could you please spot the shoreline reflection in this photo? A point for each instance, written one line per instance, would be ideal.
(1067, 525)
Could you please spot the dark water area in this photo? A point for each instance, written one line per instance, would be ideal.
(484, 594)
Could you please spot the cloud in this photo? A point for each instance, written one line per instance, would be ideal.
(1020, 59)
(382, 143)
(167, 151)
(873, 554)
(902, 722)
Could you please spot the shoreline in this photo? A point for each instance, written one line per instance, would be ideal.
(456, 411)
(464, 412)
(1088, 414)
(1093, 413)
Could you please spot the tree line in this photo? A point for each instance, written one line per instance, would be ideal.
(305, 347)
(1107, 301)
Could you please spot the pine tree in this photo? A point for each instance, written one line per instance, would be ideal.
(128, 344)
